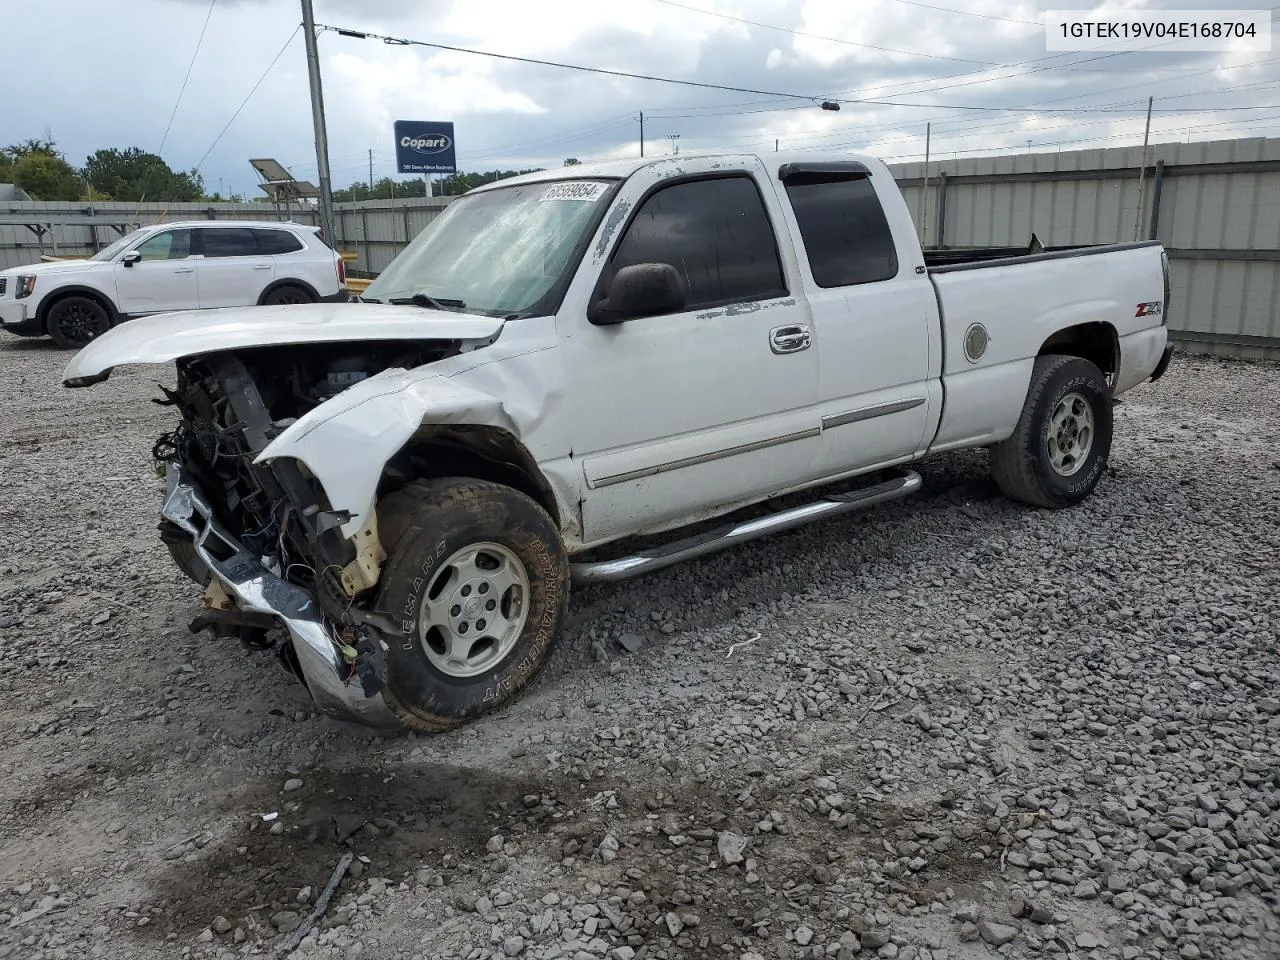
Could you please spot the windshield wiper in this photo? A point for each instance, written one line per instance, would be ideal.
(426, 300)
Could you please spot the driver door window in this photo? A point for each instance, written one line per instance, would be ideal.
(170, 245)
(716, 233)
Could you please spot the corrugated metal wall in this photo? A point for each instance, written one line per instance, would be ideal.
(1216, 207)
(377, 230)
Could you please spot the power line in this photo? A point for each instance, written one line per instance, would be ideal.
(968, 13)
(814, 36)
(401, 41)
(190, 66)
(251, 92)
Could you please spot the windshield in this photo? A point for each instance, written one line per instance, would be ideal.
(500, 252)
(108, 253)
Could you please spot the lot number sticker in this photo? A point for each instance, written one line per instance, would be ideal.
(589, 190)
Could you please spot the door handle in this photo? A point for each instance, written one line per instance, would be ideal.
(186, 270)
(262, 266)
(790, 338)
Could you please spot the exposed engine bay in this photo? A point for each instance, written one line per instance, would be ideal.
(232, 406)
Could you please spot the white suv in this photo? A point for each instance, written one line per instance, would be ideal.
(169, 267)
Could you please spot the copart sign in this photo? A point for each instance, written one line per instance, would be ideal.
(424, 146)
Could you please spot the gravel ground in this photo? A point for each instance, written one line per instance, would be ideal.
(947, 728)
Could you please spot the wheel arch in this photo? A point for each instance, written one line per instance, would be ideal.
(76, 290)
(1098, 342)
(277, 284)
(477, 451)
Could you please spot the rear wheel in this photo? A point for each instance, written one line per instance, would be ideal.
(75, 321)
(478, 579)
(288, 293)
(1060, 445)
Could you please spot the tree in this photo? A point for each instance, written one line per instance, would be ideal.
(16, 151)
(133, 174)
(388, 189)
(47, 177)
(37, 167)
(571, 161)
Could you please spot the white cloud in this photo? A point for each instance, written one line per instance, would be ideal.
(511, 114)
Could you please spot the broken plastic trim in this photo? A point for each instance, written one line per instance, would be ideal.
(257, 590)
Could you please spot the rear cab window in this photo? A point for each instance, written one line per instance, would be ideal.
(842, 224)
(716, 232)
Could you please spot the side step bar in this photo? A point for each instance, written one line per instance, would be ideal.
(609, 571)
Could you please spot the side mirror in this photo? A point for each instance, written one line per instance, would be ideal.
(640, 290)
(130, 258)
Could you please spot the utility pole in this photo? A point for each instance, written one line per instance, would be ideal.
(924, 202)
(642, 133)
(317, 119)
(371, 173)
(675, 147)
(1142, 173)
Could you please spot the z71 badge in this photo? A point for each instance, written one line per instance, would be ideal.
(1148, 309)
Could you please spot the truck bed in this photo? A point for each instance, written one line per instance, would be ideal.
(950, 259)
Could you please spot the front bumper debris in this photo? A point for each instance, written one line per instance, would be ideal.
(256, 589)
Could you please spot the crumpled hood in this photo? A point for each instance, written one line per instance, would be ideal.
(168, 336)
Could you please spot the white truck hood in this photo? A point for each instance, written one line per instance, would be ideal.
(168, 336)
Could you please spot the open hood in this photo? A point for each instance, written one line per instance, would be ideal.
(168, 336)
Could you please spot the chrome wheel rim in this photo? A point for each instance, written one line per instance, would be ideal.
(474, 610)
(1071, 433)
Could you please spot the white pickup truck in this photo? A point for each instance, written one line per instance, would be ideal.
(409, 485)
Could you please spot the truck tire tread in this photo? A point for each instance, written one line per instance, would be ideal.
(1018, 463)
(414, 512)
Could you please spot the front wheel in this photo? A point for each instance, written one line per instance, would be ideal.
(478, 580)
(1060, 445)
(74, 321)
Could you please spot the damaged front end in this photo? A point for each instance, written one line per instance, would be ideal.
(340, 684)
(264, 535)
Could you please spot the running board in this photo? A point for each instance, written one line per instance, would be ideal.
(609, 571)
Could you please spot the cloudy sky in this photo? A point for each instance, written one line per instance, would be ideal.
(123, 62)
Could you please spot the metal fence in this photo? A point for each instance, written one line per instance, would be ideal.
(1216, 207)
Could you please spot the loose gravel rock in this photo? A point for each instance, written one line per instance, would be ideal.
(949, 726)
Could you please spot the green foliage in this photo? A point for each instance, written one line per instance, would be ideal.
(451, 186)
(16, 151)
(135, 175)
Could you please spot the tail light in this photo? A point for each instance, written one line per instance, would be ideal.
(1168, 286)
(342, 271)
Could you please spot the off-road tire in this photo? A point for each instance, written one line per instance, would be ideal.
(1022, 466)
(423, 525)
(72, 322)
